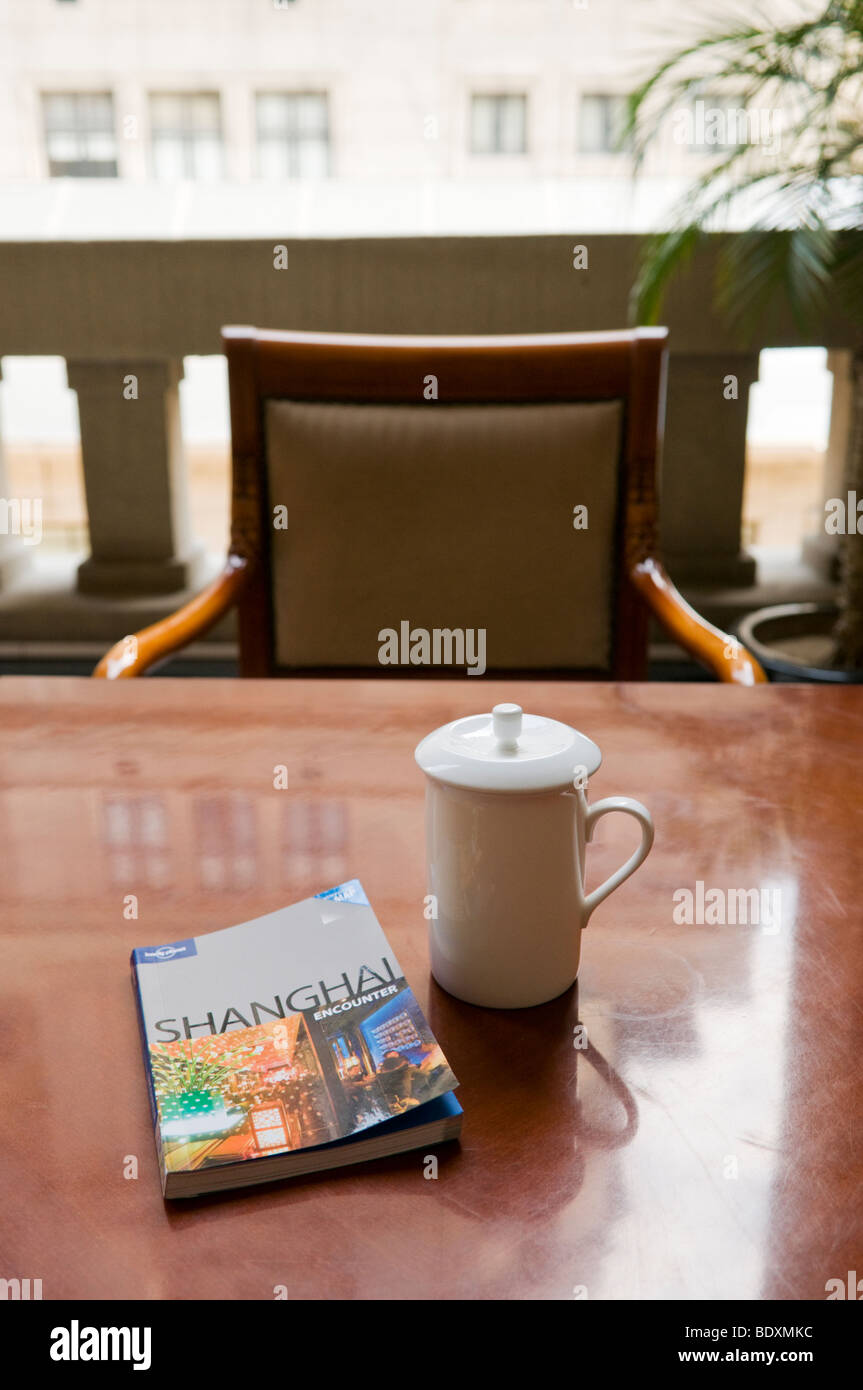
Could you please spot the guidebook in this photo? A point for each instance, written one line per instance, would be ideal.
(287, 1045)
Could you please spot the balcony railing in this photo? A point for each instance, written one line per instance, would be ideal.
(120, 310)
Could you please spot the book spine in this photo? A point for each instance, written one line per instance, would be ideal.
(142, 1027)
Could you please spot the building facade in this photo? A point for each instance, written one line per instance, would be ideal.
(241, 91)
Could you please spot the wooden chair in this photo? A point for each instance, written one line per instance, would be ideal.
(435, 482)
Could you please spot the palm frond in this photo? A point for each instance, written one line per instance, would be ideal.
(754, 266)
(665, 254)
(755, 60)
(848, 273)
(792, 200)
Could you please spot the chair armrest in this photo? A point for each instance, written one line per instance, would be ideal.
(133, 655)
(727, 658)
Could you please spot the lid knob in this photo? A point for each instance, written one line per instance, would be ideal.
(506, 722)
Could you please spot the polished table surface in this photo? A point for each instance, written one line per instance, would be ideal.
(706, 1141)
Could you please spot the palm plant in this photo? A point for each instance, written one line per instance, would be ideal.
(179, 1073)
(798, 195)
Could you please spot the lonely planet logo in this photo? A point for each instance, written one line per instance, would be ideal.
(156, 955)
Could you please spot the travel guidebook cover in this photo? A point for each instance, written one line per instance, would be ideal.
(278, 1046)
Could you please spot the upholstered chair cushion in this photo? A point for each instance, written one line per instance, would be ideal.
(447, 517)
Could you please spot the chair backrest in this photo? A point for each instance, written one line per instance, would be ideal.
(436, 506)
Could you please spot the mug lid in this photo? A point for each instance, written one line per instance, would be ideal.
(507, 751)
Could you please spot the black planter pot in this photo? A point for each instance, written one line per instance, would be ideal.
(760, 631)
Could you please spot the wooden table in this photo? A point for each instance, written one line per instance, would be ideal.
(705, 1144)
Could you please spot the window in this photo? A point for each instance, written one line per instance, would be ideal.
(499, 124)
(185, 129)
(136, 836)
(293, 134)
(601, 122)
(79, 135)
(226, 842)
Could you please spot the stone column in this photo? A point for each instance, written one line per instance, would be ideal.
(821, 551)
(15, 552)
(134, 478)
(703, 467)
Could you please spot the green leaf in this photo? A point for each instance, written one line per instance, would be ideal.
(662, 258)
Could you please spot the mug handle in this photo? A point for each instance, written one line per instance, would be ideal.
(592, 815)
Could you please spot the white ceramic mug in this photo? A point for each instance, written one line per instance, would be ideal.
(507, 825)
